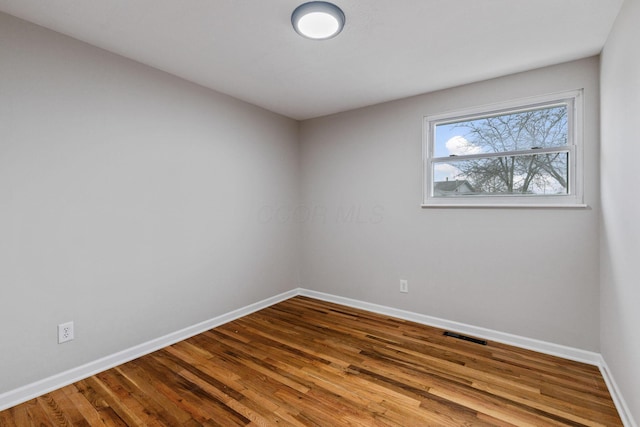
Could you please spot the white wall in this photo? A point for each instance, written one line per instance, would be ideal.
(620, 229)
(129, 202)
(530, 272)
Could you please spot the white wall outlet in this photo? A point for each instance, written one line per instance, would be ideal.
(65, 332)
(404, 286)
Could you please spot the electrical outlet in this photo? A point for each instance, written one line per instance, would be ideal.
(65, 332)
(404, 286)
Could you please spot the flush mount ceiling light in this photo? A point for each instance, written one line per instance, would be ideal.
(318, 20)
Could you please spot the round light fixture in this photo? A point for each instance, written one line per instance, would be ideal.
(318, 20)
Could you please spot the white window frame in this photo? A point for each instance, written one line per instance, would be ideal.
(574, 199)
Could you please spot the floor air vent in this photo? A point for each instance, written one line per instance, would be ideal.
(464, 337)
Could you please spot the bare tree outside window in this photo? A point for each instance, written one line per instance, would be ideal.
(525, 138)
(525, 152)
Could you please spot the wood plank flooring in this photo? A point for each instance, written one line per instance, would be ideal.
(306, 362)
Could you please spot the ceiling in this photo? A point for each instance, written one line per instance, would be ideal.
(389, 49)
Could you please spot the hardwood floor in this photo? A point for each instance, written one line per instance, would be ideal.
(307, 362)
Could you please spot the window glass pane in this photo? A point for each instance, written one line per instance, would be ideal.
(530, 174)
(542, 127)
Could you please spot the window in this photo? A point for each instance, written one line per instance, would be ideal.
(521, 153)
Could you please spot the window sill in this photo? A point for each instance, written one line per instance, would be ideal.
(505, 206)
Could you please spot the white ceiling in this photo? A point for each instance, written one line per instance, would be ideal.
(389, 49)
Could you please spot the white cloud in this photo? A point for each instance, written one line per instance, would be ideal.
(445, 171)
(459, 146)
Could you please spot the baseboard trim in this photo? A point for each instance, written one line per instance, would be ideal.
(38, 388)
(552, 349)
(565, 352)
(616, 396)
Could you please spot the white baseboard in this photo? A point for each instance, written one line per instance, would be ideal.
(488, 334)
(38, 388)
(565, 352)
(618, 400)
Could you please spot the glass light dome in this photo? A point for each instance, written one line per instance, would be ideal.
(318, 20)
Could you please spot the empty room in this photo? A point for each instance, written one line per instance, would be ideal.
(345, 213)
